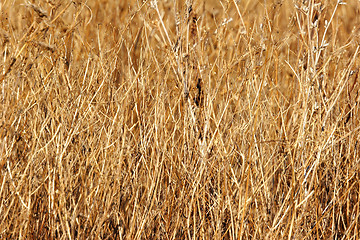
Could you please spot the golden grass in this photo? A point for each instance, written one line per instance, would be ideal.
(177, 119)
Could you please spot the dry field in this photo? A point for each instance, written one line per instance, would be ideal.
(179, 119)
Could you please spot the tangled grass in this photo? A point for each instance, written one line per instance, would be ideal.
(176, 119)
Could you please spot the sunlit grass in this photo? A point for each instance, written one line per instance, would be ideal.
(179, 119)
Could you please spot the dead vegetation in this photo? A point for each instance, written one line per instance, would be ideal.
(177, 119)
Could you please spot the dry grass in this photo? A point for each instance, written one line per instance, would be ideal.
(177, 119)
